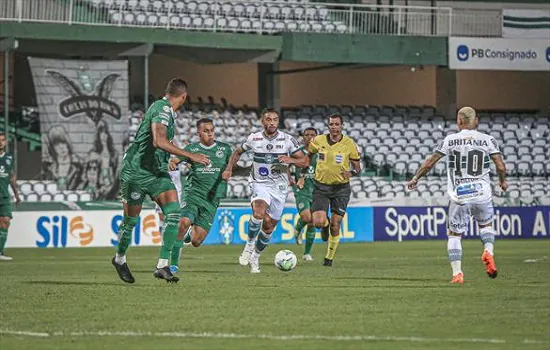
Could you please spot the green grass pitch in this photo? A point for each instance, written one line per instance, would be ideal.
(376, 296)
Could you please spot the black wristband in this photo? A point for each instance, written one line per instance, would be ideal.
(354, 172)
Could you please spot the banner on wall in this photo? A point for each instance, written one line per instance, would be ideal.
(422, 223)
(526, 23)
(499, 54)
(83, 107)
(60, 229)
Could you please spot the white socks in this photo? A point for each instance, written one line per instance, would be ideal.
(454, 249)
(120, 259)
(162, 263)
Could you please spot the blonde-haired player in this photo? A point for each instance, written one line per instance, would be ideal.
(469, 154)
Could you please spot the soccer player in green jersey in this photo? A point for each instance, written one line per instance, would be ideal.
(303, 192)
(7, 179)
(145, 172)
(203, 191)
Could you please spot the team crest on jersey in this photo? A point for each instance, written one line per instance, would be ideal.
(8, 161)
(183, 204)
(219, 153)
(226, 219)
(269, 158)
(135, 195)
(166, 109)
(301, 206)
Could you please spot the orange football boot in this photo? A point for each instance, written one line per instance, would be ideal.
(489, 264)
(458, 279)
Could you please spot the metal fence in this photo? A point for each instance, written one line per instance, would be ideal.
(257, 16)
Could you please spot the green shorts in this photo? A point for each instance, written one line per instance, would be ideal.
(303, 203)
(200, 211)
(133, 192)
(5, 208)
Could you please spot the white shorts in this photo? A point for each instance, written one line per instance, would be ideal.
(274, 198)
(459, 215)
(177, 182)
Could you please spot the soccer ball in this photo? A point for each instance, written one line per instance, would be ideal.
(285, 260)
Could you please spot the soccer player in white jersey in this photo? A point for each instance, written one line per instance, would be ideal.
(274, 151)
(469, 154)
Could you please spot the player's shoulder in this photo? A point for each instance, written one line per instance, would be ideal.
(256, 136)
(193, 147)
(348, 140)
(320, 139)
(223, 145)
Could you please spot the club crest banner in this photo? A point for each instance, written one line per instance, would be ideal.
(83, 107)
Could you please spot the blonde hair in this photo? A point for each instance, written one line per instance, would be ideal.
(468, 114)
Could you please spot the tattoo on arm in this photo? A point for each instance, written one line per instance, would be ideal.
(501, 167)
(235, 156)
(427, 165)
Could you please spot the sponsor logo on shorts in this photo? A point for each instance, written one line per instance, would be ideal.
(166, 109)
(301, 206)
(183, 204)
(226, 220)
(263, 171)
(135, 195)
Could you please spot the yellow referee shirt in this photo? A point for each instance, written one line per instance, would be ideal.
(334, 157)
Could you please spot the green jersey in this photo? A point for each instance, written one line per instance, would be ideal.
(142, 160)
(6, 167)
(309, 178)
(205, 181)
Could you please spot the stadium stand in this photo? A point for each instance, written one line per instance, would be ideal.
(394, 141)
(239, 16)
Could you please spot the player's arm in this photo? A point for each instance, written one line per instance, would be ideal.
(298, 159)
(501, 170)
(161, 141)
(424, 169)
(354, 160)
(235, 156)
(13, 184)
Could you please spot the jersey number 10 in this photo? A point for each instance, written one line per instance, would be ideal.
(474, 163)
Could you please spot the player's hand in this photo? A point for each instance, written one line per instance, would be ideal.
(173, 165)
(227, 174)
(411, 185)
(346, 174)
(503, 185)
(300, 183)
(200, 158)
(17, 200)
(286, 160)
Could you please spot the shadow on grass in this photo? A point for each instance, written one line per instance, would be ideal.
(84, 283)
(398, 279)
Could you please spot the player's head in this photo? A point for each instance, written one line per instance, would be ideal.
(270, 121)
(309, 134)
(335, 124)
(205, 129)
(176, 92)
(466, 118)
(2, 142)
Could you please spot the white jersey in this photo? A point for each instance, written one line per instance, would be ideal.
(468, 165)
(266, 168)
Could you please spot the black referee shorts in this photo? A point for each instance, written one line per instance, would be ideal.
(335, 196)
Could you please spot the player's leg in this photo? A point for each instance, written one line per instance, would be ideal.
(260, 201)
(271, 218)
(483, 213)
(300, 224)
(132, 198)
(339, 200)
(165, 195)
(189, 211)
(5, 220)
(306, 216)
(203, 224)
(319, 209)
(459, 219)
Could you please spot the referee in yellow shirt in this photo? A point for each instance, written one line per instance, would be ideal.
(336, 153)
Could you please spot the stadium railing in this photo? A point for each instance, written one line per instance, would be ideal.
(261, 17)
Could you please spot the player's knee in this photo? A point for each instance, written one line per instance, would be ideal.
(487, 234)
(453, 234)
(335, 227)
(5, 223)
(306, 216)
(196, 243)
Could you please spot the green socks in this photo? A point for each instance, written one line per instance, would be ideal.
(3, 239)
(125, 233)
(299, 226)
(310, 237)
(176, 253)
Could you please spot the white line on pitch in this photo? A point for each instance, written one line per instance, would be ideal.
(211, 335)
